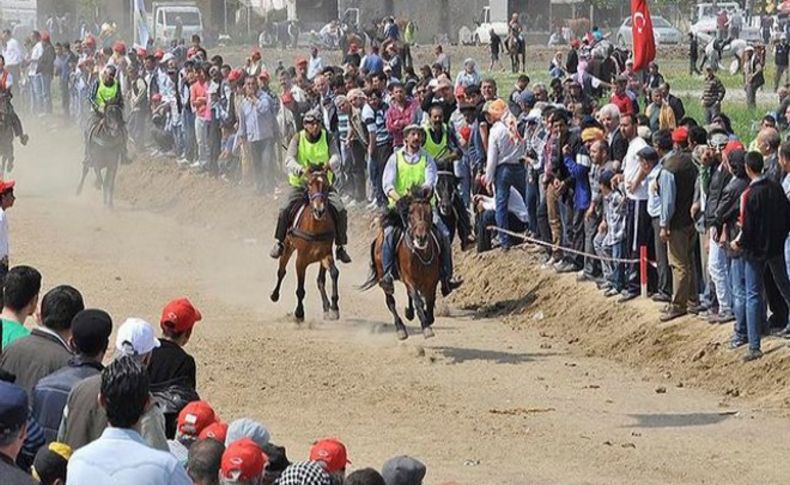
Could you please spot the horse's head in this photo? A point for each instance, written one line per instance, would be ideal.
(113, 119)
(445, 189)
(317, 190)
(419, 218)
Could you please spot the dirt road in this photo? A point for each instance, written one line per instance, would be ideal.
(480, 403)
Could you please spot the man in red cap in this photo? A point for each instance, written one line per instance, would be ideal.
(7, 199)
(243, 463)
(254, 63)
(171, 368)
(331, 454)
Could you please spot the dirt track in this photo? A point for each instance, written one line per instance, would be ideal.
(480, 404)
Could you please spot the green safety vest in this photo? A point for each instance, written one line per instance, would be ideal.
(310, 154)
(408, 175)
(435, 149)
(106, 93)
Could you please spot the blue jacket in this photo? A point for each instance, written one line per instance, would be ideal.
(51, 393)
(579, 170)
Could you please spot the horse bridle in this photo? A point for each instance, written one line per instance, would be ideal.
(412, 248)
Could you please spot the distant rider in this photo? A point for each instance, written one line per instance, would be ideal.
(106, 92)
(6, 84)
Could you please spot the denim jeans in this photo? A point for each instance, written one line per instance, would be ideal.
(376, 164)
(464, 176)
(262, 155)
(718, 266)
(778, 268)
(618, 269)
(37, 86)
(738, 285)
(506, 176)
(532, 199)
(46, 92)
(755, 311)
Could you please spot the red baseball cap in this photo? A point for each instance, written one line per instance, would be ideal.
(141, 52)
(264, 75)
(243, 460)
(6, 185)
(119, 47)
(300, 61)
(195, 417)
(45, 36)
(680, 134)
(235, 75)
(731, 146)
(90, 40)
(179, 316)
(217, 431)
(255, 53)
(192, 52)
(332, 452)
(159, 53)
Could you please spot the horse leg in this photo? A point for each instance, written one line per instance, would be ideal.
(85, 170)
(334, 273)
(284, 258)
(321, 280)
(400, 328)
(419, 305)
(427, 331)
(99, 180)
(301, 269)
(410, 309)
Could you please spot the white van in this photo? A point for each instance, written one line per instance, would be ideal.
(165, 16)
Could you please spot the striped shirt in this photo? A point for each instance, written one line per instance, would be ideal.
(342, 125)
(375, 120)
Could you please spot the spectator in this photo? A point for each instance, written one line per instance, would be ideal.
(243, 462)
(662, 141)
(13, 419)
(372, 63)
(89, 339)
(611, 239)
(753, 75)
(192, 420)
(693, 54)
(47, 348)
(712, 95)
(403, 470)
(120, 455)
(469, 76)
(205, 458)
(257, 126)
(304, 473)
(365, 476)
(400, 113)
(51, 464)
(20, 299)
(331, 454)
(247, 428)
(7, 199)
(781, 60)
(83, 418)
(217, 431)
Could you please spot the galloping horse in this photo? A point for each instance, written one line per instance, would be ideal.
(312, 237)
(6, 136)
(105, 142)
(446, 193)
(517, 50)
(417, 258)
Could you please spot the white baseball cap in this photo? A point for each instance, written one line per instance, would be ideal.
(136, 337)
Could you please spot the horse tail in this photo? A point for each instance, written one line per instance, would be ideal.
(372, 277)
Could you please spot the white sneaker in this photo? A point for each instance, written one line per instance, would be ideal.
(549, 264)
(195, 165)
(182, 162)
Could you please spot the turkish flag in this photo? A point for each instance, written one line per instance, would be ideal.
(642, 33)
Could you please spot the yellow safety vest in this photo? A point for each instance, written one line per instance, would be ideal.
(408, 175)
(436, 149)
(311, 154)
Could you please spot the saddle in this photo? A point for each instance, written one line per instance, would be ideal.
(296, 214)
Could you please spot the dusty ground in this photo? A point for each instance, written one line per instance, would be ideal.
(488, 401)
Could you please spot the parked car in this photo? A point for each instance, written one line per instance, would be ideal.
(663, 32)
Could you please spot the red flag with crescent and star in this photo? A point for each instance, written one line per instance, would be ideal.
(642, 33)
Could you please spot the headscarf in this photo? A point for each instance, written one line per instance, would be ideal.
(304, 473)
(499, 111)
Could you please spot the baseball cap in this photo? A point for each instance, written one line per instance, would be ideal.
(168, 57)
(50, 462)
(119, 47)
(159, 53)
(90, 330)
(731, 146)
(242, 460)
(606, 177)
(195, 417)
(301, 61)
(648, 153)
(403, 470)
(217, 431)
(179, 316)
(410, 128)
(13, 407)
(331, 452)
(527, 97)
(310, 116)
(136, 337)
(247, 428)
(235, 75)
(255, 52)
(680, 134)
(6, 185)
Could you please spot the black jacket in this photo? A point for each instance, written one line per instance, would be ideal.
(766, 220)
(726, 215)
(33, 357)
(10, 474)
(718, 181)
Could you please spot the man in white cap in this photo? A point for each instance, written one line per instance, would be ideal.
(83, 418)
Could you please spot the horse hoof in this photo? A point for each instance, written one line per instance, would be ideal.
(332, 315)
(275, 297)
(402, 335)
(299, 319)
(410, 314)
(299, 315)
(427, 332)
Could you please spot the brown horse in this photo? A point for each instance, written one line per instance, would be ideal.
(312, 237)
(418, 261)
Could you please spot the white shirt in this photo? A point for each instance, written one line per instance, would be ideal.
(13, 53)
(515, 205)
(5, 247)
(631, 168)
(35, 55)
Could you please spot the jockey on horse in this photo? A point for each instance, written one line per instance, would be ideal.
(311, 146)
(408, 167)
(105, 92)
(6, 83)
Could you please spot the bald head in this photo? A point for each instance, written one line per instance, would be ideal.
(768, 141)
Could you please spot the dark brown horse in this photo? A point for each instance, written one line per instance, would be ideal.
(104, 152)
(418, 261)
(312, 237)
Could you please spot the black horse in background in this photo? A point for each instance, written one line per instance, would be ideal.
(452, 209)
(105, 145)
(6, 136)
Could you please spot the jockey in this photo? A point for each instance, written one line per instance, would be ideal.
(107, 91)
(313, 145)
(411, 166)
(441, 143)
(6, 83)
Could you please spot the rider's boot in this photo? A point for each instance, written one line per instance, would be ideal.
(277, 250)
(341, 255)
(280, 233)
